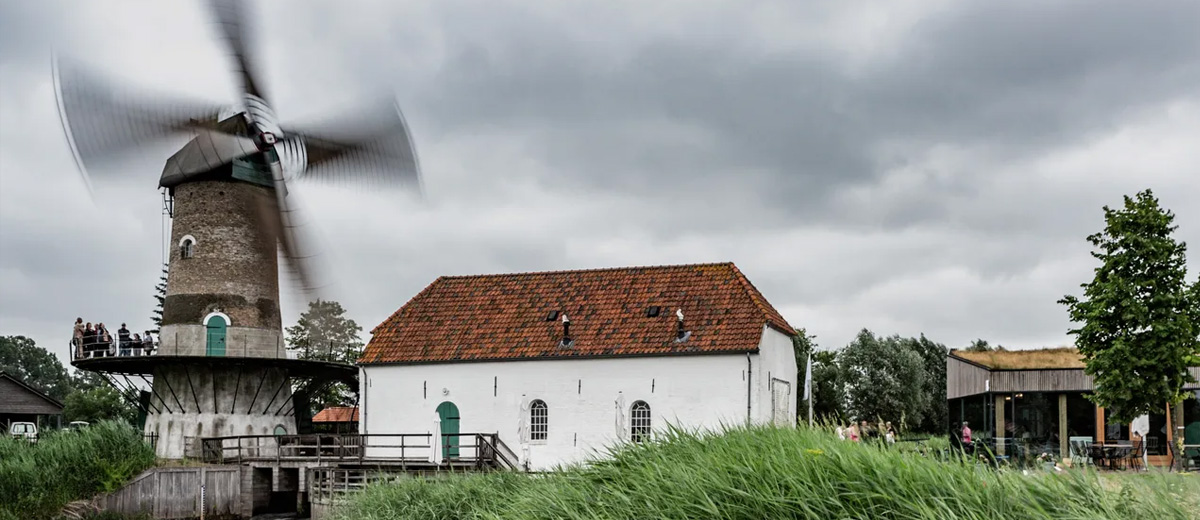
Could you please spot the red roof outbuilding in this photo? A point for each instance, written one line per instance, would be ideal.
(337, 414)
(611, 312)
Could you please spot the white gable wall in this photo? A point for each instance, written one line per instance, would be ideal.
(581, 394)
(775, 376)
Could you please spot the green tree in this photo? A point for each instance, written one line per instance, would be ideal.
(21, 358)
(97, 404)
(933, 358)
(828, 394)
(324, 333)
(1137, 319)
(160, 296)
(883, 379)
(802, 344)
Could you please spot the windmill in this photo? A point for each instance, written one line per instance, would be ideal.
(221, 368)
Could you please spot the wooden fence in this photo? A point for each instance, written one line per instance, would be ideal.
(169, 493)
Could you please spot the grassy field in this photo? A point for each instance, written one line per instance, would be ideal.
(780, 473)
(37, 480)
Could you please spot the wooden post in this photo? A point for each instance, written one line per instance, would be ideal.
(999, 400)
(1099, 425)
(1064, 445)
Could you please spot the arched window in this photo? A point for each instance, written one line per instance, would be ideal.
(280, 430)
(187, 245)
(539, 420)
(639, 421)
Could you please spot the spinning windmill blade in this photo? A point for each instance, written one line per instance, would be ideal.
(362, 151)
(104, 121)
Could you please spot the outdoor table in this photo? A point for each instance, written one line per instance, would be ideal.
(1115, 451)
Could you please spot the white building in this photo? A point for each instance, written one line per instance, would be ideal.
(561, 364)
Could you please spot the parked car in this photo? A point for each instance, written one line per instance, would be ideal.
(77, 425)
(24, 430)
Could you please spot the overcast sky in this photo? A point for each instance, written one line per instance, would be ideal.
(910, 167)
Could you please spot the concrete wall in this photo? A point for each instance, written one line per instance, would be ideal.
(199, 401)
(588, 399)
(192, 340)
(234, 268)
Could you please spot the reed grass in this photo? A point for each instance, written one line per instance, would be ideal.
(37, 480)
(767, 472)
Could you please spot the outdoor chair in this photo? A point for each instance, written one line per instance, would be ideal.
(1188, 462)
(1136, 454)
(1096, 453)
(1079, 449)
(1152, 446)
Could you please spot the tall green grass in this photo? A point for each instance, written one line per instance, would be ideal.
(768, 473)
(37, 480)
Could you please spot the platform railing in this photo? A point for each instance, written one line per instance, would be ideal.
(454, 449)
(114, 348)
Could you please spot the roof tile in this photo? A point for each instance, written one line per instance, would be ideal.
(504, 316)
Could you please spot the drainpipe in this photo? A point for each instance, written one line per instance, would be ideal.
(749, 377)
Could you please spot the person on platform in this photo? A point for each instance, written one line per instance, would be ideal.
(123, 340)
(89, 339)
(147, 344)
(77, 337)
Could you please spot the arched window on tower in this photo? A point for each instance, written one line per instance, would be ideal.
(639, 421)
(187, 246)
(539, 420)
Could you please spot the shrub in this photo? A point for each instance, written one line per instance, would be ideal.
(767, 472)
(68, 465)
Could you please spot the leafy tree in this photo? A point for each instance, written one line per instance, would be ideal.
(21, 358)
(883, 379)
(97, 404)
(1138, 318)
(802, 344)
(933, 359)
(160, 296)
(979, 345)
(324, 333)
(828, 394)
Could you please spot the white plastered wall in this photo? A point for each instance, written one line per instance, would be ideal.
(693, 391)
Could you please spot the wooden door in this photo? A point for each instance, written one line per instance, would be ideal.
(448, 415)
(216, 336)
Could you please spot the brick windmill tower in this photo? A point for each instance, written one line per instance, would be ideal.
(221, 368)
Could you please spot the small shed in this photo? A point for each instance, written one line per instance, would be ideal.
(20, 402)
(336, 419)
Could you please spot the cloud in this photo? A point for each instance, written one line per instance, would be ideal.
(923, 166)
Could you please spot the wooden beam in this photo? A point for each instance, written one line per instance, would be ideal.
(1063, 444)
(999, 400)
(1099, 425)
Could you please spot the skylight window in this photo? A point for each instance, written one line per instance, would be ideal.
(653, 312)
(553, 315)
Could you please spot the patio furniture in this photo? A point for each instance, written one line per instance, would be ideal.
(1190, 457)
(1136, 454)
(1079, 450)
(1097, 454)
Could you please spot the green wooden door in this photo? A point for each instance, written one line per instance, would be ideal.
(216, 336)
(448, 415)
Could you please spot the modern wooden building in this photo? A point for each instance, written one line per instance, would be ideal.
(20, 402)
(1038, 397)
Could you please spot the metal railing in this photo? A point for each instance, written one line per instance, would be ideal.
(113, 348)
(454, 449)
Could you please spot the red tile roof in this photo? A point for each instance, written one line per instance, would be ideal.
(337, 414)
(505, 316)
